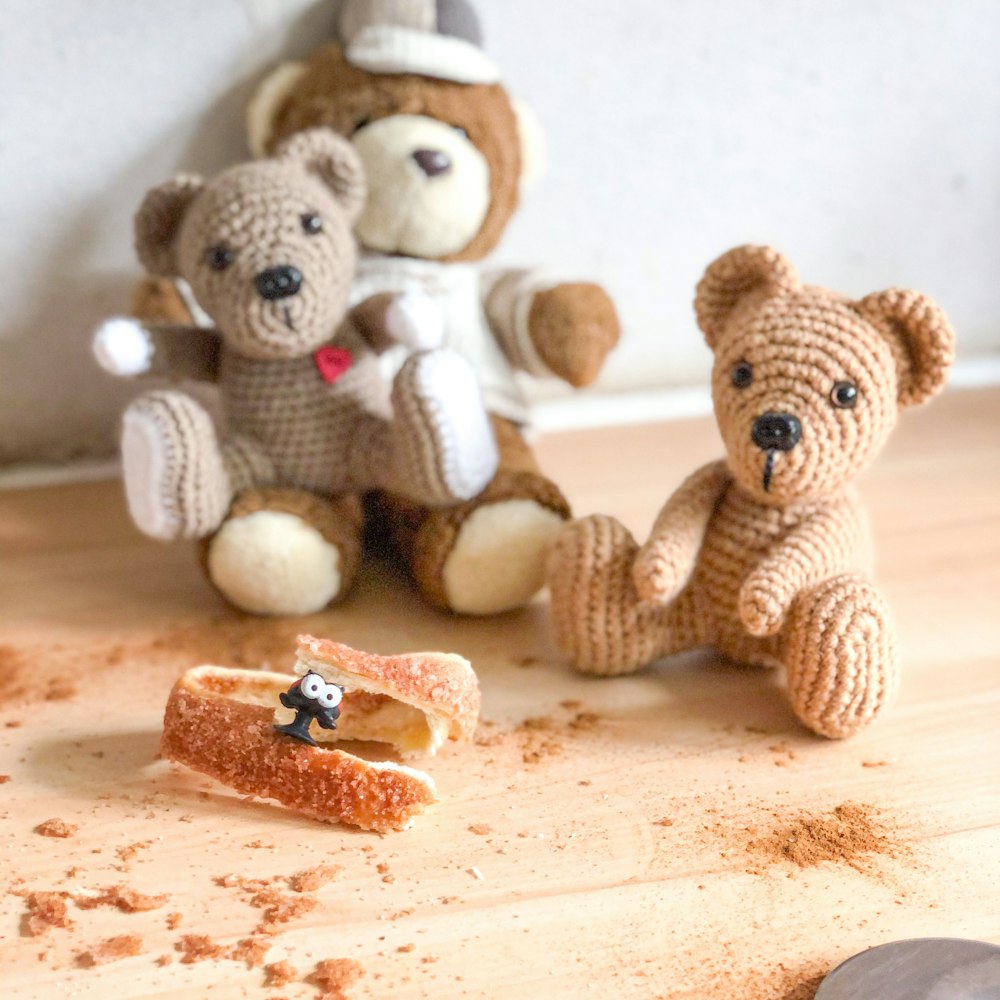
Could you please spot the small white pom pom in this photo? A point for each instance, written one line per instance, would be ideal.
(122, 347)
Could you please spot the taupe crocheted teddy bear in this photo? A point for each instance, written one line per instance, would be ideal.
(765, 555)
(311, 421)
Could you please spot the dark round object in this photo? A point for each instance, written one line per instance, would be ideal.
(278, 282)
(742, 374)
(776, 431)
(844, 395)
(919, 969)
(312, 223)
(432, 161)
(219, 258)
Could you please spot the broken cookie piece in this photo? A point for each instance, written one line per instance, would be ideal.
(414, 701)
(220, 721)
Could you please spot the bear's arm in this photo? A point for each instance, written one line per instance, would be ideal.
(664, 564)
(411, 318)
(127, 347)
(829, 541)
(550, 328)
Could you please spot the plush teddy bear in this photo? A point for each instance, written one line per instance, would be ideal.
(765, 555)
(446, 149)
(268, 251)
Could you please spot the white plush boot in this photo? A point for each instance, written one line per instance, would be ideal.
(443, 444)
(175, 482)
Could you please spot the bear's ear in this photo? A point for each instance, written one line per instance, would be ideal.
(158, 222)
(267, 99)
(333, 159)
(534, 157)
(735, 274)
(921, 338)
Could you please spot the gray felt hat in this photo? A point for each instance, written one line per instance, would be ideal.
(438, 38)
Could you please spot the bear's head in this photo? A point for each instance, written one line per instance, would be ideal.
(807, 384)
(266, 246)
(445, 148)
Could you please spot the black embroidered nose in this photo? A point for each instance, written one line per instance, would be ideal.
(432, 161)
(278, 282)
(776, 432)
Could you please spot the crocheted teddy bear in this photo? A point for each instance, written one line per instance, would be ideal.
(765, 555)
(446, 150)
(267, 249)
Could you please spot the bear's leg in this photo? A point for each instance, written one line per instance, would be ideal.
(598, 620)
(839, 652)
(285, 552)
(439, 448)
(486, 555)
(176, 482)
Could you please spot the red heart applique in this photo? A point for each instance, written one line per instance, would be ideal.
(332, 362)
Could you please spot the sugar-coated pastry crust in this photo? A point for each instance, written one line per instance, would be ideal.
(442, 686)
(220, 722)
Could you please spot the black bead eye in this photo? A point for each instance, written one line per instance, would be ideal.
(219, 258)
(742, 374)
(844, 395)
(312, 223)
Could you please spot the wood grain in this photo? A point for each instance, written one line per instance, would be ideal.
(611, 837)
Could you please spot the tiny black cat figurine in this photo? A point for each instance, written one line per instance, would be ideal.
(312, 698)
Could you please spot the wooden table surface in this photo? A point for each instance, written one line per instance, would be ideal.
(610, 847)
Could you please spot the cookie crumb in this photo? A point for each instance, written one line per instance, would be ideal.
(251, 950)
(313, 878)
(334, 976)
(584, 721)
(129, 851)
(480, 829)
(278, 974)
(56, 828)
(280, 909)
(198, 948)
(111, 950)
(123, 898)
(45, 910)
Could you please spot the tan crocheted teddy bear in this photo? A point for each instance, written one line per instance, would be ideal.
(765, 555)
(311, 421)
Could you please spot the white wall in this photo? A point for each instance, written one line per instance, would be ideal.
(859, 136)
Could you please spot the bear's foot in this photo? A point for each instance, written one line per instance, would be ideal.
(597, 618)
(444, 446)
(486, 555)
(176, 484)
(497, 561)
(285, 552)
(839, 653)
